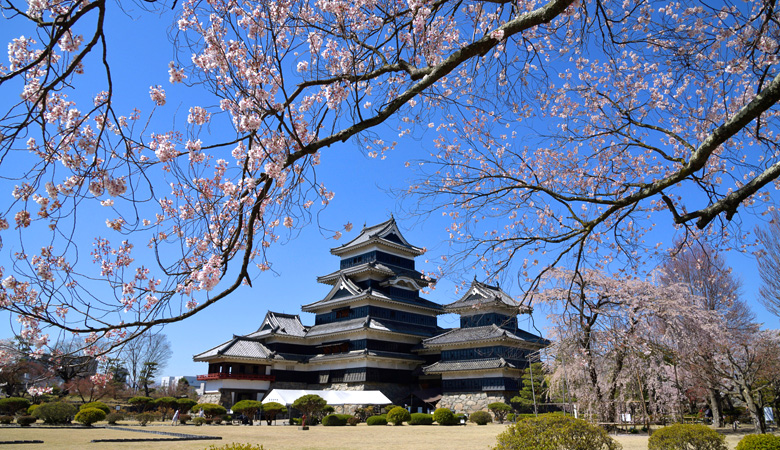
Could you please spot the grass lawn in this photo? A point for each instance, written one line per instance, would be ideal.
(471, 437)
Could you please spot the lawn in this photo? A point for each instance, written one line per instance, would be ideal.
(287, 437)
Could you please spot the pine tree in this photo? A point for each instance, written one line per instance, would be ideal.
(524, 401)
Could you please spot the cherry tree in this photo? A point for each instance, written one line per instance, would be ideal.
(712, 282)
(189, 216)
(623, 105)
(616, 340)
(633, 115)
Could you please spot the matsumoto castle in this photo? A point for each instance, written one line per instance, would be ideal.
(373, 331)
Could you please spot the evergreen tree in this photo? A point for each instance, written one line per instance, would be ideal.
(535, 386)
(146, 380)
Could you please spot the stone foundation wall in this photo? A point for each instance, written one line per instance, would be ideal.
(212, 397)
(469, 402)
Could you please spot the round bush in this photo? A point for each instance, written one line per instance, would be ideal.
(398, 415)
(88, 416)
(99, 405)
(684, 436)
(443, 416)
(376, 420)
(184, 418)
(114, 417)
(421, 419)
(198, 421)
(334, 420)
(144, 418)
(6, 420)
(480, 417)
(31, 409)
(12, 405)
(555, 433)
(55, 413)
(26, 421)
(754, 442)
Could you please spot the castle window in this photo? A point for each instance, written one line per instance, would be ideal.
(342, 313)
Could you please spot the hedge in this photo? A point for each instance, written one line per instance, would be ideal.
(421, 419)
(377, 420)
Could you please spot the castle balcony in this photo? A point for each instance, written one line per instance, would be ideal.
(235, 376)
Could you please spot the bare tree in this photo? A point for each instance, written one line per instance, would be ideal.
(769, 264)
(149, 348)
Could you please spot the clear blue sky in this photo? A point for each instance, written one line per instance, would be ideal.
(140, 54)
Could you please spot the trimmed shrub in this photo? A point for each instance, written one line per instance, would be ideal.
(6, 420)
(198, 421)
(684, 436)
(421, 419)
(500, 410)
(141, 402)
(443, 416)
(114, 417)
(480, 417)
(144, 418)
(99, 405)
(554, 433)
(26, 421)
(184, 418)
(88, 416)
(55, 413)
(248, 408)
(753, 442)
(272, 409)
(235, 446)
(387, 408)
(185, 404)
(31, 409)
(310, 405)
(327, 409)
(398, 415)
(12, 405)
(334, 420)
(377, 420)
(352, 421)
(209, 409)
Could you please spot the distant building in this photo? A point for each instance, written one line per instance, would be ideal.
(373, 331)
(166, 382)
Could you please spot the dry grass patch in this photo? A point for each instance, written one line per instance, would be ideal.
(472, 437)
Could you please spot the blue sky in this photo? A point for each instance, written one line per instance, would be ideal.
(140, 53)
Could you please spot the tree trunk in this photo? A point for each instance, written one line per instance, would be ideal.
(716, 406)
(756, 413)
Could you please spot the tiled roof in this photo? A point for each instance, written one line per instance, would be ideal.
(366, 322)
(379, 295)
(386, 232)
(486, 333)
(338, 327)
(469, 364)
(482, 295)
(237, 347)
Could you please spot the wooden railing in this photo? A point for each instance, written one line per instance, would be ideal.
(235, 376)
